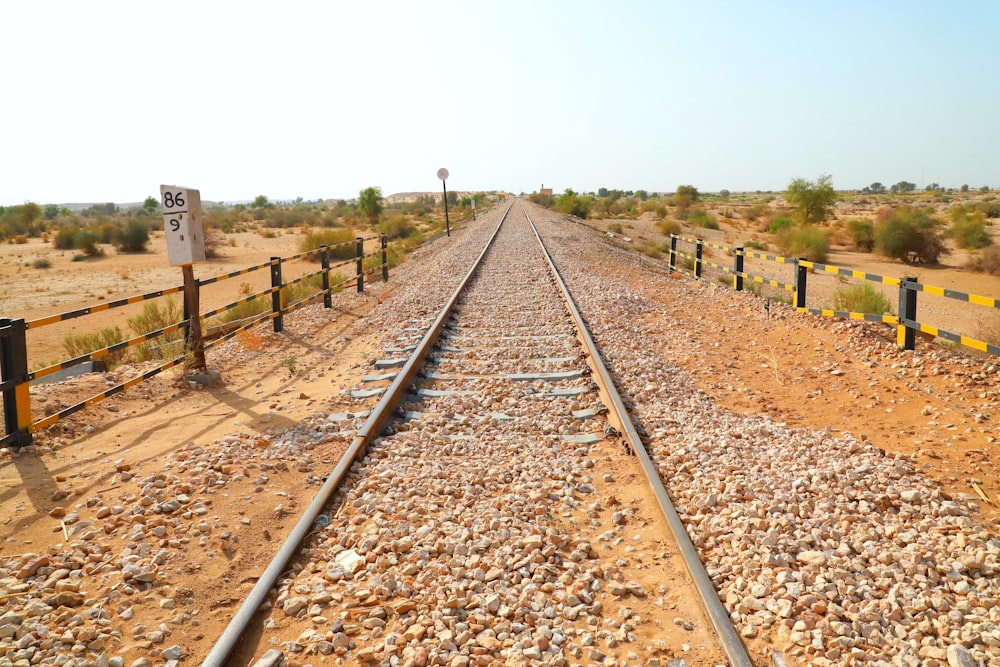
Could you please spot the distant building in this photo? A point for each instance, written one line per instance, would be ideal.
(543, 191)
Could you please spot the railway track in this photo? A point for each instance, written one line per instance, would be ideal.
(506, 515)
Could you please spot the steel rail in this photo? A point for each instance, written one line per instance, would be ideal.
(380, 417)
(729, 638)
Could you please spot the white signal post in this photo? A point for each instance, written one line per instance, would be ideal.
(185, 246)
(182, 224)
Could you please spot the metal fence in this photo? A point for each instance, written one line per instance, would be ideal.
(15, 378)
(690, 257)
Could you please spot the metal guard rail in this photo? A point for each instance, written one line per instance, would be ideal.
(906, 323)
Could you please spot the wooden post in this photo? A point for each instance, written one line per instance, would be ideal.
(192, 307)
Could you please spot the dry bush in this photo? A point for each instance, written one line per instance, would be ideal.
(988, 261)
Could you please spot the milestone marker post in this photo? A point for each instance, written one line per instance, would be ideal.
(443, 175)
(185, 246)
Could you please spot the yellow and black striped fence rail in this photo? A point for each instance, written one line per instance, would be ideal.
(97, 308)
(15, 377)
(906, 322)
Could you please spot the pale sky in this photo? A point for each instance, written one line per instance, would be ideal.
(104, 101)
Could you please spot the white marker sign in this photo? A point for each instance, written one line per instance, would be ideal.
(182, 224)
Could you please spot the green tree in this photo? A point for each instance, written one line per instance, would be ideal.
(602, 192)
(724, 194)
(911, 235)
(573, 204)
(812, 201)
(684, 197)
(29, 213)
(875, 188)
(262, 202)
(370, 204)
(151, 204)
(641, 195)
(964, 188)
(903, 186)
(51, 211)
(686, 193)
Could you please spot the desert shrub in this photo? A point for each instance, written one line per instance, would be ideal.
(989, 209)
(571, 203)
(304, 288)
(861, 298)
(41, 263)
(86, 241)
(751, 213)
(615, 228)
(654, 249)
(134, 237)
(778, 224)
(987, 261)
(77, 345)
(757, 245)
(862, 233)
(106, 232)
(154, 318)
(397, 227)
(807, 242)
(65, 238)
(668, 227)
(968, 229)
(318, 238)
(702, 218)
(215, 240)
(911, 235)
(247, 309)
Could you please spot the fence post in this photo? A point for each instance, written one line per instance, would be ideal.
(697, 259)
(385, 258)
(738, 270)
(324, 258)
(14, 367)
(673, 252)
(906, 336)
(361, 265)
(192, 312)
(279, 320)
(801, 272)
